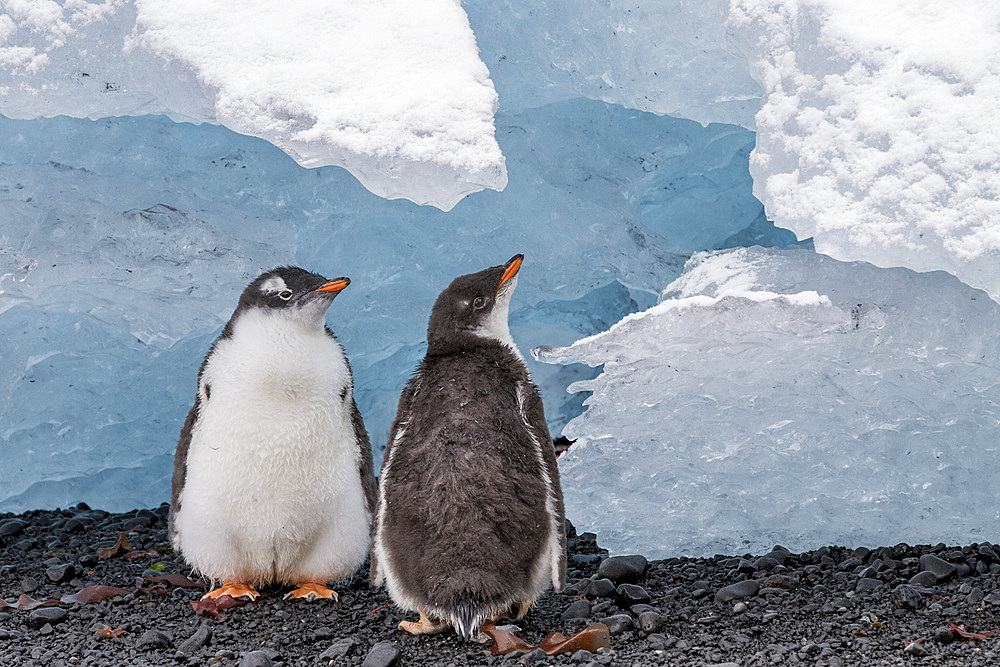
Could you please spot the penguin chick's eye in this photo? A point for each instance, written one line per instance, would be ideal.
(479, 303)
(285, 294)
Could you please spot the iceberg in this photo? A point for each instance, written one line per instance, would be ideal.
(781, 396)
(395, 93)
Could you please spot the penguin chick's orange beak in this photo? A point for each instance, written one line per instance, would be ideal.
(511, 269)
(334, 285)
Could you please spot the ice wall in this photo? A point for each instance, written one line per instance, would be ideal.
(878, 135)
(125, 242)
(394, 92)
(781, 396)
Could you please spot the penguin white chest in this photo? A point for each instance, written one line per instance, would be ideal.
(272, 469)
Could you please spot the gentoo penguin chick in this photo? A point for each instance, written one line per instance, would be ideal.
(273, 479)
(469, 525)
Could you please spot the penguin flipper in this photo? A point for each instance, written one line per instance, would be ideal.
(366, 468)
(180, 471)
(536, 425)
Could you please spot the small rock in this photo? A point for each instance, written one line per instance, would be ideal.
(581, 656)
(579, 609)
(46, 629)
(780, 581)
(627, 595)
(906, 596)
(916, 649)
(74, 526)
(61, 572)
(593, 588)
(924, 579)
(943, 636)
(9, 634)
(46, 615)
(338, 650)
(382, 654)
(766, 563)
(225, 654)
(737, 591)
(155, 639)
(740, 608)
(987, 554)
(89, 560)
(651, 621)
(619, 624)
(29, 585)
(256, 659)
(976, 596)
(201, 637)
(11, 528)
(534, 656)
(745, 567)
(637, 609)
(623, 569)
(942, 569)
(868, 585)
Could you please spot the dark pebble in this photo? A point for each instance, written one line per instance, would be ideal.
(619, 623)
(924, 579)
(627, 595)
(89, 560)
(28, 585)
(201, 637)
(987, 554)
(537, 655)
(916, 649)
(11, 528)
(766, 563)
(942, 569)
(623, 569)
(74, 526)
(61, 573)
(581, 656)
(579, 609)
(338, 650)
(943, 636)
(737, 591)
(780, 581)
(868, 585)
(906, 596)
(594, 588)
(382, 654)
(256, 659)
(40, 617)
(155, 639)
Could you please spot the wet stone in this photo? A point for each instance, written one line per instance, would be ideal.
(338, 649)
(651, 621)
(593, 588)
(535, 656)
(619, 624)
(630, 594)
(61, 573)
(943, 636)
(51, 615)
(29, 585)
(623, 569)
(579, 609)
(74, 526)
(924, 579)
(11, 528)
(867, 585)
(906, 596)
(383, 654)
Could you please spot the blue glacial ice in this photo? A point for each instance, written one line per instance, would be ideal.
(780, 396)
(125, 242)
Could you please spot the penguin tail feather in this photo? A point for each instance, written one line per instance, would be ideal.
(467, 617)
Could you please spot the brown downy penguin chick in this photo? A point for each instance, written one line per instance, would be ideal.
(469, 525)
(273, 479)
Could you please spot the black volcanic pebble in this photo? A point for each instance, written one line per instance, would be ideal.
(593, 588)
(151, 639)
(627, 595)
(651, 621)
(11, 528)
(906, 596)
(338, 650)
(619, 623)
(201, 637)
(925, 579)
(47, 615)
(623, 569)
(579, 609)
(383, 654)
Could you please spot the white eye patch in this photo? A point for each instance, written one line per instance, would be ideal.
(272, 285)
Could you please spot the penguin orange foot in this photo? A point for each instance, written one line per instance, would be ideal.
(425, 626)
(236, 589)
(312, 590)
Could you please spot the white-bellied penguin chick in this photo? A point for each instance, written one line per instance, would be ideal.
(469, 525)
(273, 480)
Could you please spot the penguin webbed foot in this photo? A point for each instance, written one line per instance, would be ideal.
(311, 591)
(425, 626)
(235, 589)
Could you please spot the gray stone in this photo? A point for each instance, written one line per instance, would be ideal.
(534, 656)
(43, 615)
(916, 649)
(651, 621)
(976, 596)
(942, 569)
(924, 579)
(61, 573)
(906, 596)
(593, 588)
(623, 569)
(619, 624)
(201, 637)
(74, 526)
(382, 654)
(737, 591)
(579, 609)
(944, 636)
(780, 581)
(256, 659)
(11, 528)
(29, 585)
(629, 594)
(155, 639)
(338, 649)
(867, 585)
(581, 656)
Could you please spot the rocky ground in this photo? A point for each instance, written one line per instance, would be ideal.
(833, 606)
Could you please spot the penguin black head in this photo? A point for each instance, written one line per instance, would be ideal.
(473, 309)
(292, 292)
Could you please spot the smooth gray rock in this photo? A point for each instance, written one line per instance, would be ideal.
(623, 569)
(924, 579)
(256, 659)
(52, 615)
(338, 649)
(155, 639)
(941, 568)
(579, 609)
(737, 591)
(651, 621)
(383, 654)
(619, 623)
(201, 637)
